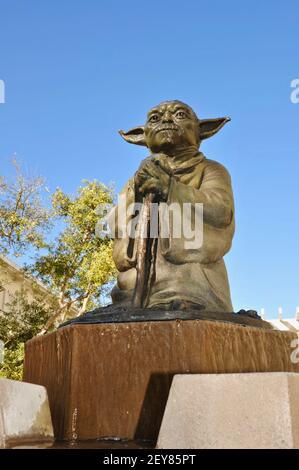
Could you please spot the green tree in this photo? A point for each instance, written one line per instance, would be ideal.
(20, 321)
(79, 263)
(76, 267)
(24, 222)
(23, 218)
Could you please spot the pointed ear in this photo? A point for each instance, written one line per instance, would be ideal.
(209, 127)
(134, 136)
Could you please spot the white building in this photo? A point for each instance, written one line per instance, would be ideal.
(284, 324)
(13, 279)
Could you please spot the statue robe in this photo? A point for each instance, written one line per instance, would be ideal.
(181, 274)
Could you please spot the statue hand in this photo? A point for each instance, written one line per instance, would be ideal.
(153, 175)
(157, 186)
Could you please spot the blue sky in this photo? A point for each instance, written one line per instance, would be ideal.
(77, 71)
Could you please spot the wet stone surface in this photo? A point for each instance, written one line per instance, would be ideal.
(114, 314)
(89, 444)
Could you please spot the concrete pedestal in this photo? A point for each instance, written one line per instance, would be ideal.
(24, 414)
(108, 380)
(227, 411)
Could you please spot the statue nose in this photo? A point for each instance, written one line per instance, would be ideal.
(167, 117)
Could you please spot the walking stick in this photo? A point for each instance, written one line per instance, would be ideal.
(143, 253)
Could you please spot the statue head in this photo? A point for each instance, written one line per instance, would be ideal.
(173, 125)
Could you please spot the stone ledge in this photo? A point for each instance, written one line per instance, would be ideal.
(24, 413)
(232, 411)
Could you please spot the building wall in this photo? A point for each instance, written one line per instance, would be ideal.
(13, 279)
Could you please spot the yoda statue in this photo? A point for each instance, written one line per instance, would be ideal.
(175, 275)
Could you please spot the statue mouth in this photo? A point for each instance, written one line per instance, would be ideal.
(173, 129)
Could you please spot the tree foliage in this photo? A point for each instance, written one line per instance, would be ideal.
(75, 267)
(20, 321)
(23, 217)
(78, 263)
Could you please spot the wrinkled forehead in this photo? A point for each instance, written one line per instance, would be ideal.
(171, 106)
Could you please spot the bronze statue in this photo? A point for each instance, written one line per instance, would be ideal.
(164, 274)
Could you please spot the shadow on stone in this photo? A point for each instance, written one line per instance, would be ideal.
(153, 407)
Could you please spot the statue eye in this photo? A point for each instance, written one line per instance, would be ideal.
(181, 114)
(154, 118)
